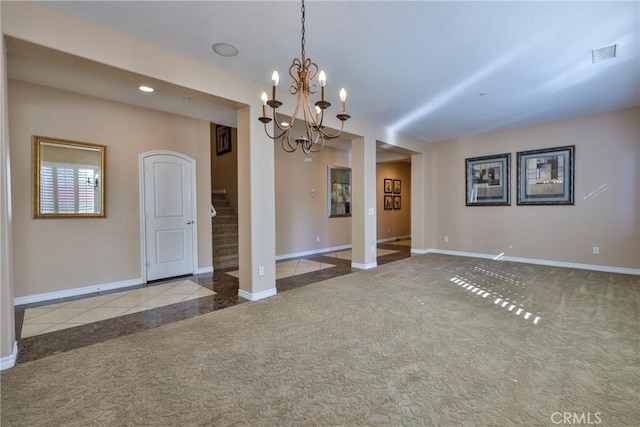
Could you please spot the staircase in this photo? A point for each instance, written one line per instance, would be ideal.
(225, 233)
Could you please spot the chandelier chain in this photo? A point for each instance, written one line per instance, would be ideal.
(302, 21)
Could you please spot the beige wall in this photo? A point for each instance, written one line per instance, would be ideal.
(607, 195)
(301, 217)
(394, 223)
(59, 254)
(224, 168)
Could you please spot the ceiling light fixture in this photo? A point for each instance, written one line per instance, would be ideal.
(303, 72)
(145, 89)
(225, 49)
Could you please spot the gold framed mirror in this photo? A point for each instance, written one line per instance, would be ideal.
(69, 178)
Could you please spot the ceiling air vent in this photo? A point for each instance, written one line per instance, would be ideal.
(599, 55)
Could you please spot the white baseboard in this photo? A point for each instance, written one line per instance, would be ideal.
(205, 270)
(258, 295)
(393, 239)
(76, 291)
(420, 251)
(502, 257)
(364, 266)
(10, 360)
(312, 252)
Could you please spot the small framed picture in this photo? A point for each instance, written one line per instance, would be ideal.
(545, 177)
(397, 186)
(223, 140)
(388, 185)
(388, 202)
(396, 202)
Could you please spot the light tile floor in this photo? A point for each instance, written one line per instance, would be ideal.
(54, 317)
(302, 266)
(293, 268)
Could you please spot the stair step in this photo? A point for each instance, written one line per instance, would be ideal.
(226, 261)
(225, 228)
(224, 210)
(225, 249)
(225, 239)
(224, 219)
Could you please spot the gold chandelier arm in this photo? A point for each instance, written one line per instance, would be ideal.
(274, 136)
(335, 135)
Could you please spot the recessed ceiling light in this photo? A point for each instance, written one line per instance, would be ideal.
(225, 49)
(145, 88)
(599, 55)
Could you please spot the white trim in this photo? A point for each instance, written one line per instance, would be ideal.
(76, 291)
(562, 264)
(312, 252)
(205, 270)
(10, 360)
(393, 239)
(419, 251)
(364, 266)
(258, 295)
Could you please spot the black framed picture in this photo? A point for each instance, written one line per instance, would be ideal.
(546, 177)
(388, 202)
(397, 186)
(223, 140)
(397, 202)
(487, 180)
(388, 185)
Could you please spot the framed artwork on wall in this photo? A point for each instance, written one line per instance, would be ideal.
(388, 185)
(388, 202)
(396, 202)
(546, 177)
(397, 186)
(223, 140)
(339, 188)
(487, 180)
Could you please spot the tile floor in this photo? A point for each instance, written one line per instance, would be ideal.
(54, 317)
(64, 333)
(302, 266)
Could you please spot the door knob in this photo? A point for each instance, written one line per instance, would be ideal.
(189, 222)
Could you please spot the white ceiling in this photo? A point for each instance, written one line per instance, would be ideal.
(419, 67)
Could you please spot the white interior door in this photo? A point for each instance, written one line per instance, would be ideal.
(168, 216)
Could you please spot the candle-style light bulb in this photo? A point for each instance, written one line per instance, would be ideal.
(322, 79)
(343, 98)
(275, 79)
(264, 99)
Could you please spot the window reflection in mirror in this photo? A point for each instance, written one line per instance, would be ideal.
(68, 178)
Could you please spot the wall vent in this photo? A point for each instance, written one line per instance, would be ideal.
(599, 55)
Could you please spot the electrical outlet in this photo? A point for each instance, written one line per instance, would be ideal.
(446, 239)
(261, 270)
(317, 238)
(596, 250)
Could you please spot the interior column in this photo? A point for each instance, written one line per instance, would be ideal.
(363, 199)
(256, 208)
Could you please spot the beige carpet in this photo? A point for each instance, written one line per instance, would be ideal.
(401, 344)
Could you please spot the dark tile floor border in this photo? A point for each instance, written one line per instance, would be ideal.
(225, 286)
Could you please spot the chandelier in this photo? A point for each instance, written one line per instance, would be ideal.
(303, 72)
